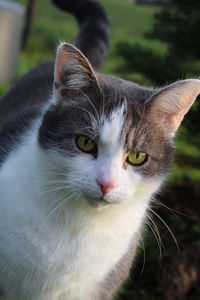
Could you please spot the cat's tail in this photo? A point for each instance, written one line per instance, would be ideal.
(94, 29)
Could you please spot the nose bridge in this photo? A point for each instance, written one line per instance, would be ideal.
(108, 172)
(109, 164)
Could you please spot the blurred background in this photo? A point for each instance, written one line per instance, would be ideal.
(152, 43)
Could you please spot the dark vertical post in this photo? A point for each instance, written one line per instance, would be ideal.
(28, 21)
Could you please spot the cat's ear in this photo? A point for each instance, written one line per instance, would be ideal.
(72, 69)
(169, 105)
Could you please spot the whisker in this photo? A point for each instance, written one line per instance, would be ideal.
(173, 211)
(63, 200)
(52, 190)
(156, 234)
(144, 255)
(88, 112)
(157, 215)
(90, 101)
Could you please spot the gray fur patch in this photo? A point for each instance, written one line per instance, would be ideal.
(79, 113)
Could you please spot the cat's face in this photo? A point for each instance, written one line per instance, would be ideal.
(112, 140)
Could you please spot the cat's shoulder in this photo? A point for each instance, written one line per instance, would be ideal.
(32, 90)
(22, 105)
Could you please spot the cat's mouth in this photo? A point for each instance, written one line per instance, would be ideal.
(100, 202)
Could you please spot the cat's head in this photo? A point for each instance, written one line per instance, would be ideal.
(112, 140)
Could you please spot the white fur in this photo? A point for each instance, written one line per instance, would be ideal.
(54, 244)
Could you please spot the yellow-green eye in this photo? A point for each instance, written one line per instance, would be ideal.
(85, 144)
(136, 158)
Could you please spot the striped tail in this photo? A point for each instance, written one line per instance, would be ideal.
(94, 29)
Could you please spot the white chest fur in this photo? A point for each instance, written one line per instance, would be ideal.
(64, 256)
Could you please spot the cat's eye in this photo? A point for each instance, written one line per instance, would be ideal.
(85, 144)
(136, 158)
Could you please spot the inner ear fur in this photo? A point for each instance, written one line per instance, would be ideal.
(72, 69)
(169, 105)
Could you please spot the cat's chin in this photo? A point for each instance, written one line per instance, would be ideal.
(100, 202)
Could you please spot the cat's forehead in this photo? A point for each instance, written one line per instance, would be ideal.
(117, 88)
(110, 131)
(121, 107)
(113, 112)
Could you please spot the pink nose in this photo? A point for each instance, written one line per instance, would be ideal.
(105, 186)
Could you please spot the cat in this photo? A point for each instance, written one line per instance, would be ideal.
(81, 156)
